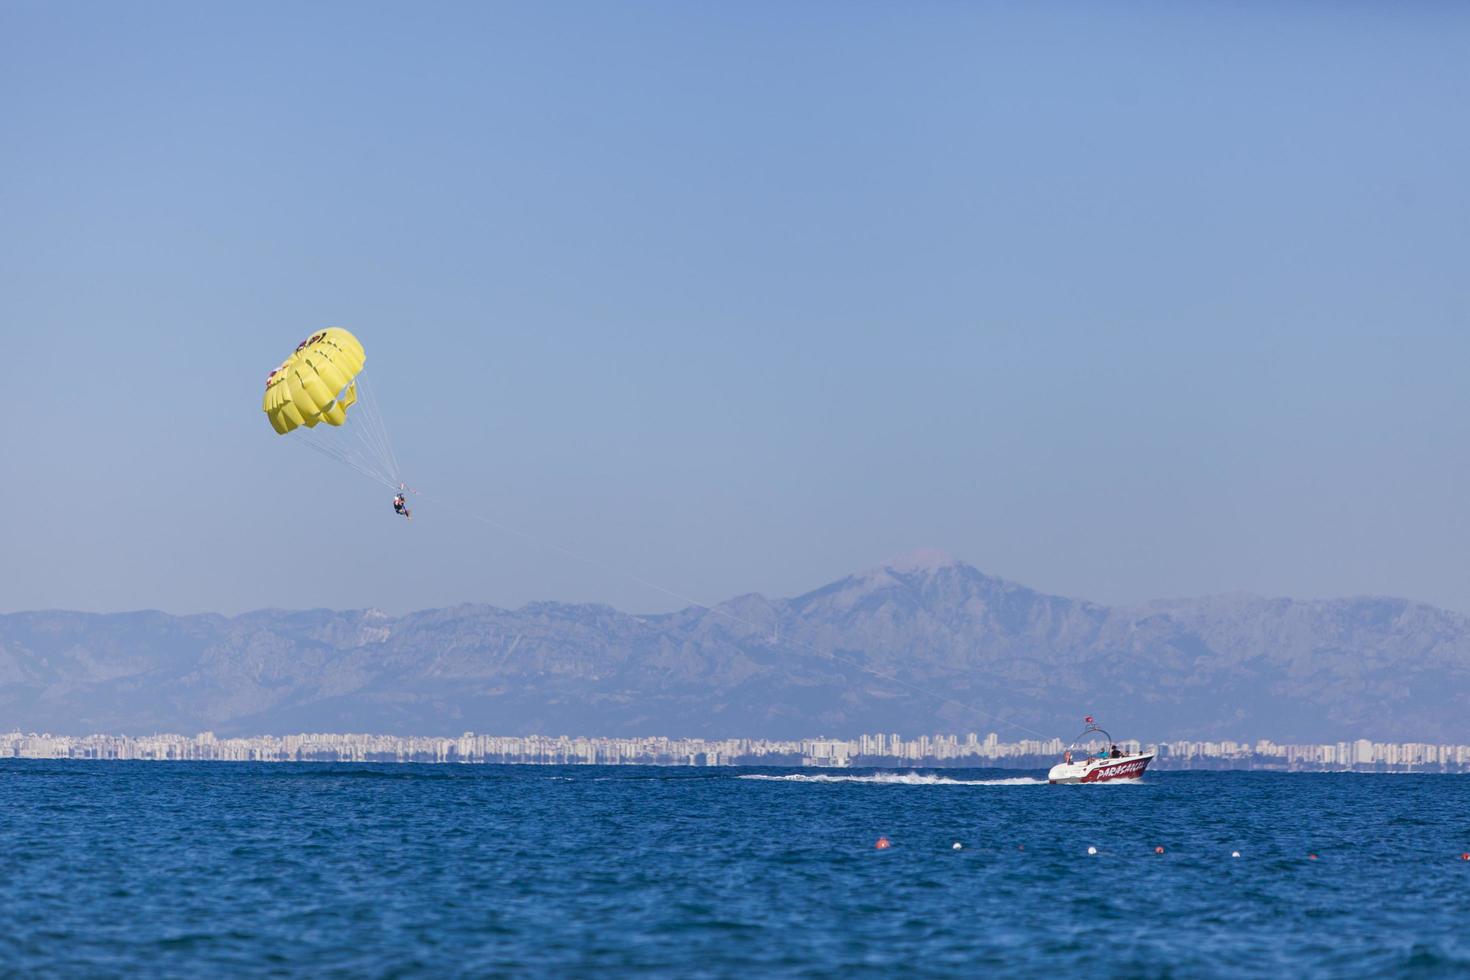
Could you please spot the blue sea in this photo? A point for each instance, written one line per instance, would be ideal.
(209, 869)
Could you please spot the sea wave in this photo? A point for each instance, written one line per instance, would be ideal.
(897, 779)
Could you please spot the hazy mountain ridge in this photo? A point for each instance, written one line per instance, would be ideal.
(1219, 667)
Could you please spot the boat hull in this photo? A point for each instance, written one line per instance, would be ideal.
(1100, 770)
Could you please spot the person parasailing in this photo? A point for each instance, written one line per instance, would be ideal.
(309, 395)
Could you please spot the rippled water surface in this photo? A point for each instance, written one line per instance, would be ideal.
(195, 869)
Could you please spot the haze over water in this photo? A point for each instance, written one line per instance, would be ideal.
(183, 869)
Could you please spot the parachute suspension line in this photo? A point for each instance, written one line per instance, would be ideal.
(380, 427)
(369, 445)
(361, 422)
(758, 628)
(347, 454)
(364, 446)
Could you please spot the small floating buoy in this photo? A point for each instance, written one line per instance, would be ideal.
(1020, 847)
(883, 844)
(1092, 850)
(1158, 850)
(956, 846)
(1235, 854)
(1465, 856)
(1311, 857)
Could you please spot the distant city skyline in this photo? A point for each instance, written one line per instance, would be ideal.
(1161, 300)
(881, 750)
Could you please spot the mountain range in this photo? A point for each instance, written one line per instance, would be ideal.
(920, 644)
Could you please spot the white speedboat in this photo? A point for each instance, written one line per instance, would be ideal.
(1082, 765)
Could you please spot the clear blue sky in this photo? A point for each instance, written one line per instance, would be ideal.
(1119, 301)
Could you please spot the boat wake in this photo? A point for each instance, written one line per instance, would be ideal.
(898, 779)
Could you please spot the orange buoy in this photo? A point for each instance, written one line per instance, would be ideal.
(883, 844)
(1158, 850)
(1465, 856)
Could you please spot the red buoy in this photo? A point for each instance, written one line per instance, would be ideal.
(883, 844)
(1311, 857)
(1465, 856)
(1158, 850)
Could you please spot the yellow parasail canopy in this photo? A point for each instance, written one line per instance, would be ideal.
(315, 384)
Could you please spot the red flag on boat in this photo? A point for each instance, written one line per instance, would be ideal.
(1088, 719)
